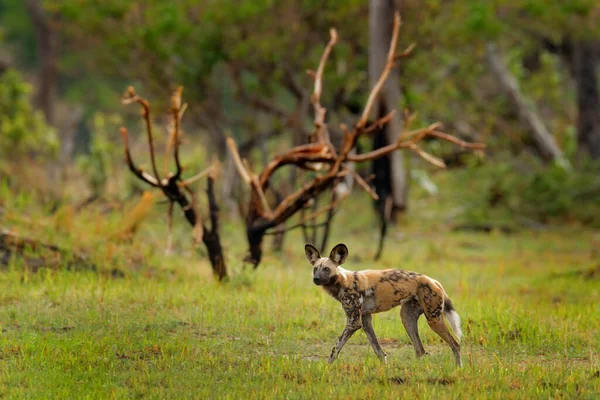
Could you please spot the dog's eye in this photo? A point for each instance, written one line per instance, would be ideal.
(315, 269)
(326, 269)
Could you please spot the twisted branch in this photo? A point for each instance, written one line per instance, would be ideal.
(175, 189)
(329, 163)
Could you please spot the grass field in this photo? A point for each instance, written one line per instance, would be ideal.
(163, 328)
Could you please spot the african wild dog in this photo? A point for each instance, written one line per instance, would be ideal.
(367, 292)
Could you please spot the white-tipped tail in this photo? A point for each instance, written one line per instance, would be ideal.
(454, 321)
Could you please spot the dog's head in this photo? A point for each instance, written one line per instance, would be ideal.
(325, 268)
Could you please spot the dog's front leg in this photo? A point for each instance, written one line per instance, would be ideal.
(353, 324)
(368, 328)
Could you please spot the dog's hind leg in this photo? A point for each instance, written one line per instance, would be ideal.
(439, 326)
(410, 313)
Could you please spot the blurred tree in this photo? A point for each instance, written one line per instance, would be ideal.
(227, 54)
(23, 131)
(243, 59)
(105, 152)
(18, 37)
(583, 58)
(543, 139)
(244, 65)
(571, 30)
(528, 30)
(47, 55)
(391, 179)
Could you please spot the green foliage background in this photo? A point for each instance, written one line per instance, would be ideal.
(134, 322)
(23, 130)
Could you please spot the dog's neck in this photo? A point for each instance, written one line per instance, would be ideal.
(336, 282)
(333, 288)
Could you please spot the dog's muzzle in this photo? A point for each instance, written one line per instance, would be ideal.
(317, 281)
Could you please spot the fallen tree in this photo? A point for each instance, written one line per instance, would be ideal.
(36, 254)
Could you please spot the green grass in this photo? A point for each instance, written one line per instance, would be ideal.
(166, 329)
(531, 328)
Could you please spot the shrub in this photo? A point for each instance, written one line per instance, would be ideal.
(23, 130)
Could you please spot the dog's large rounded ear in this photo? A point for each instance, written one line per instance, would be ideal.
(339, 253)
(312, 254)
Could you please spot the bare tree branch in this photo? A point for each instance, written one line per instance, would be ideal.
(131, 97)
(386, 71)
(364, 185)
(321, 133)
(175, 189)
(328, 163)
(149, 179)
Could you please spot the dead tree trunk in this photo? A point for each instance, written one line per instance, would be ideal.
(381, 23)
(176, 189)
(210, 237)
(545, 143)
(582, 58)
(382, 182)
(585, 67)
(46, 48)
(390, 182)
(329, 164)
